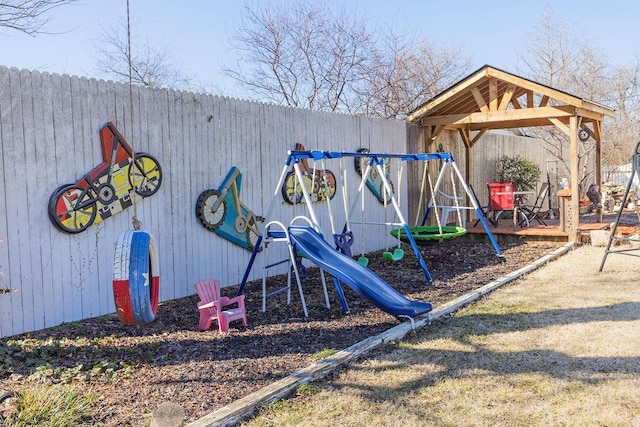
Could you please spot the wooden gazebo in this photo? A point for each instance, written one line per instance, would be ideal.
(491, 98)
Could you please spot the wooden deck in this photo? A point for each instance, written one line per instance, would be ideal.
(505, 231)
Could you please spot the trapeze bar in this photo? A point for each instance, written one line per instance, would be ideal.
(393, 224)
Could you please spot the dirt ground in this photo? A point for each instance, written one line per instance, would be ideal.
(133, 370)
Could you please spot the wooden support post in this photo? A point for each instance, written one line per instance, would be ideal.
(468, 170)
(574, 222)
(599, 172)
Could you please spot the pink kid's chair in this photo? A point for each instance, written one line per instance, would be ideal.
(212, 306)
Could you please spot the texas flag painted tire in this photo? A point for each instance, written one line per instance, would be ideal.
(136, 278)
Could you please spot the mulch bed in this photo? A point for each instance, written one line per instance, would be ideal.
(133, 370)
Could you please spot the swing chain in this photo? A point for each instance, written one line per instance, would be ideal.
(455, 196)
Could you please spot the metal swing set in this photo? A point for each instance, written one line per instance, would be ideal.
(276, 231)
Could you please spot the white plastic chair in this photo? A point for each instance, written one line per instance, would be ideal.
(447, 204)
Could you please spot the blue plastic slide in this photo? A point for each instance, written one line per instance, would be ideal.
(362, 280)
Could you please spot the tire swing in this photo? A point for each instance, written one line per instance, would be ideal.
(136, 277)
(136, 269)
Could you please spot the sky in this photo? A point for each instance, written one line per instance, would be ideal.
(196, 32)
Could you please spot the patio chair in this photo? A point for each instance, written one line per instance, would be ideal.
(532, 212)
(483, 209)
(212, 306)
(449, 204)
(501, 198)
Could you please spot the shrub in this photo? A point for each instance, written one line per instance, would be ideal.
(50, 406)
(524, 172)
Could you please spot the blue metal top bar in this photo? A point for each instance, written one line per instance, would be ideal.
(295, 155)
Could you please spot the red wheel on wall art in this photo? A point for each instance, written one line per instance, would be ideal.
(72, 208)
(136, 278)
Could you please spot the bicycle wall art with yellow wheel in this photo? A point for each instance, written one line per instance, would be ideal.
(111, 187)
(320, 183)
(221, 211)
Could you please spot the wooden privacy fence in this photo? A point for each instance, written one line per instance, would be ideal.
(49, 133)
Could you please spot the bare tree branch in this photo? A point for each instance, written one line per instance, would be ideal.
(407, 74)
(570, 62)
(28, 16)
(304, 55)
(150, 67)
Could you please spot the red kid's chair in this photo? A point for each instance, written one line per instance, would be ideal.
(212, 306)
